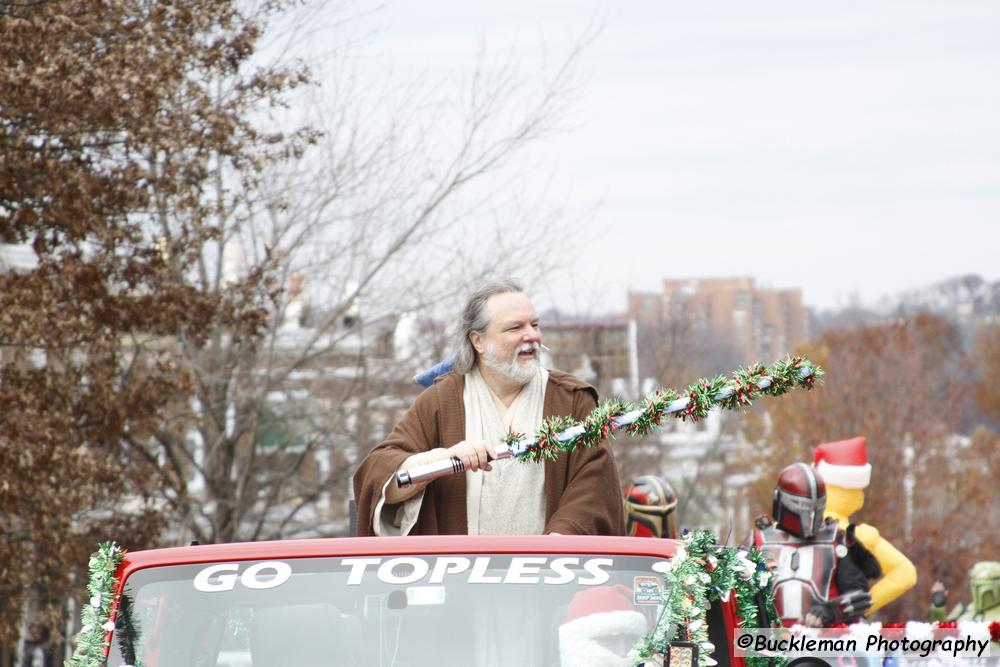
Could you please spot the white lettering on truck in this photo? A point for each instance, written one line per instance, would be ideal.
(223, 576)
(405, 570)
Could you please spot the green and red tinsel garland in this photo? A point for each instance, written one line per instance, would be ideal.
(95, 617)
(563, 434)
(700, 572)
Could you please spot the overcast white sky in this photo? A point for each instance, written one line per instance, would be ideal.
(840, 147)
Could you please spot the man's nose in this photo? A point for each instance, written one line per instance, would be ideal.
(532, 335)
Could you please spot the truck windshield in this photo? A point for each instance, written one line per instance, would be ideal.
(402, 611)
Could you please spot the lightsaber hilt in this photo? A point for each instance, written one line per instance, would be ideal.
(450, 466)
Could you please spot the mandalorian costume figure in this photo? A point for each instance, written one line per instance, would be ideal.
(984, 605)
(650, 502)
(820, 573)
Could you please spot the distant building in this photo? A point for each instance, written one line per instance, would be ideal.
(601, 351)
(760, 324)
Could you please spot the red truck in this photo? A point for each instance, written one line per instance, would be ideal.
(549, 601)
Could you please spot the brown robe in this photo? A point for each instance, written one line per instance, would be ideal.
(583, 495)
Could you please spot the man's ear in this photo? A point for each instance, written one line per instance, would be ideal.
(477, 341)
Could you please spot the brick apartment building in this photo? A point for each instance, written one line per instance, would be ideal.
(760, 324)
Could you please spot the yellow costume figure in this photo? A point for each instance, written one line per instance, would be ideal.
(844, 465)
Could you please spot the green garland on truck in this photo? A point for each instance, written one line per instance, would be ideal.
(95, 617)
(700, 572)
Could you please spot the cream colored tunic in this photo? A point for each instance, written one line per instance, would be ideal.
(510, 499)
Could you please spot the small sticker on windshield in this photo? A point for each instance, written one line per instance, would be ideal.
(647, 590)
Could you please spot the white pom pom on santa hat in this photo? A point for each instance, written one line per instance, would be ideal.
(844, 463)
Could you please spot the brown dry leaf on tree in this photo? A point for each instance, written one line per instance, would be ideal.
(109, 123)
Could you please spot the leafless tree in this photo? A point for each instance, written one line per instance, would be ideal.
(384, 219)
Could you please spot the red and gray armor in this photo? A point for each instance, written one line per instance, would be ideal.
(799, 500)
(809, 557)
(803, 568)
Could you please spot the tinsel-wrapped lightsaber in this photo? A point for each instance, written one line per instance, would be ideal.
(558, 435)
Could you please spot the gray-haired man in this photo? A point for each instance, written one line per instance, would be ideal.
(497, 384)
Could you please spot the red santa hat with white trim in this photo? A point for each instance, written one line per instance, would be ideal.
(593, 613)
(844, 463)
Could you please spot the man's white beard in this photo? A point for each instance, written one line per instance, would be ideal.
(512, 368)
